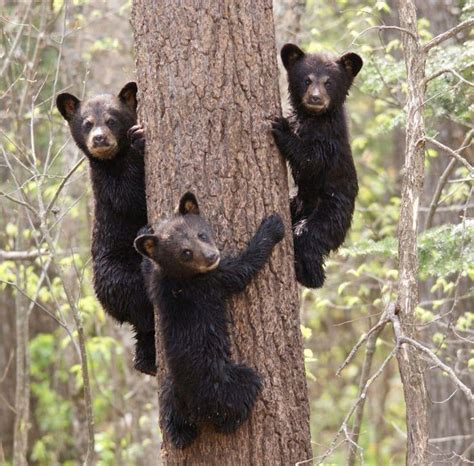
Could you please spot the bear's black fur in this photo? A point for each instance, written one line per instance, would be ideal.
(190, 285)
(104, 128)
(315, 141)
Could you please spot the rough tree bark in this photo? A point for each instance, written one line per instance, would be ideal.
(208, 86)
(413, 172)
(288, 21)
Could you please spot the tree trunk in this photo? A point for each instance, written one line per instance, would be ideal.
(408, 360)
(450, 422)
(208, 87)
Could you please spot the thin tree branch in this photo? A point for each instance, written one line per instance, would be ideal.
(363, 394)
(364, 377)
(440, 364)
(16, 41)
(17, 201)
(21, 255)
(448, 34)
(383, 28)
(451, 152)
(63, 183)
(377, 328)
(49, 313)
(444, 179)
(449, 70)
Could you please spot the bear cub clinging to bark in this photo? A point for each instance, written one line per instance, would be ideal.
(190, 283)
(104, 128)
(315, 142)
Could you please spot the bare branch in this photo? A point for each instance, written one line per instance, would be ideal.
(383, 28)
(7, 367)
(376, 328)
(17, 201)
(451, 152)
(444, 179)
(363, 394)
(366, 368)
(21, 255)
(449, 70)
(440, 364)
(448, 34)
(18, 36)
(34, 301)
(63, 183)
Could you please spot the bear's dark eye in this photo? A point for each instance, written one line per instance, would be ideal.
(327, 84)
(111, 122)
(87, 125)
(187, 254)
(203, 237)
(307, 81)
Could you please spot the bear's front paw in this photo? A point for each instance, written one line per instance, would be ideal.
(136, 136)
(275, 227)
(281, 124)
(281, 129)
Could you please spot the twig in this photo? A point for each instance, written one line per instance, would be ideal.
(362, 395)
(7, 367)
(376, 328)
(63, 182)
(17, 201)
(440, 364)
(451, 152)
(49, 313)
(448, 70)
(383, 28)
(450, 438)
(355, 447)
(21, 255)
(448, 34)
(444, 179)
(17, 39)
(369, 355)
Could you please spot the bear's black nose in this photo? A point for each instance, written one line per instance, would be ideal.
(211, 258)
(315, 100)
(99, 139)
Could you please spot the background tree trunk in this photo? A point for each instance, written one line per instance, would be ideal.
(208, 87)
(450, 421)
(408, 360)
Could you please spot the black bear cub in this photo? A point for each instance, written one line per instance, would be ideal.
(104, 128)
(315, 142)
(190, 284)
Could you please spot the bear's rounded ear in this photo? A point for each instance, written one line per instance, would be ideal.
(146, 245)
(188, 204)
(352, 63)
(290, 54)
(128, 95)
(67, 105)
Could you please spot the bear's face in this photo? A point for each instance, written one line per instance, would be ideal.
(318, 84)
(99, 125)
(182, 246)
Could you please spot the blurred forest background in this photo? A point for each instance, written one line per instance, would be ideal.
(47, 304)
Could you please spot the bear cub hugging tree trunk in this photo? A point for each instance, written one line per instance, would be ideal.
(190, 285)
(315, 142)
(104, 128)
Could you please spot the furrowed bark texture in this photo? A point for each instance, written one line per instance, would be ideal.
(208, 83)
(408, 360)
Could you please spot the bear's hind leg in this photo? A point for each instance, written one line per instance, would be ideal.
(309, 259)
(145, 354)
(180, 430)
(236, 398)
